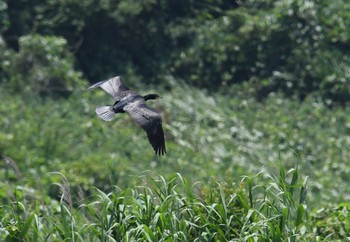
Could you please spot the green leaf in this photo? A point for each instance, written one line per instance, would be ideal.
(27, 225)
(300, 215)
(149, 234)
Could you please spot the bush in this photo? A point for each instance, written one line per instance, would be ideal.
(333, 222)
(165, 210)
(298, 47)
(42, 66)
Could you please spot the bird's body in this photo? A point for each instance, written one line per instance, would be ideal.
(119, 106)
(134, 104)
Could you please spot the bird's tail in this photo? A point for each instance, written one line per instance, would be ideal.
(105, 113)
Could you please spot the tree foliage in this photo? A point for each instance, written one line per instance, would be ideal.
(42, 66)
(294, 46)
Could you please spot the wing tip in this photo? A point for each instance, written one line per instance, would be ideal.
(160, 150)
(98, 84)
(95, 85)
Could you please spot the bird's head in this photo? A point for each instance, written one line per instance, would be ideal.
(151, 96)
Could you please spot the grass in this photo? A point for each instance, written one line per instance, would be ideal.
(267, 206)
(236, 169)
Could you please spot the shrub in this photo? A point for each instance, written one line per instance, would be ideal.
(42, 66)
(297, 47)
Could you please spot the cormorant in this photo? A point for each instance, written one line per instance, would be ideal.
(134, 104)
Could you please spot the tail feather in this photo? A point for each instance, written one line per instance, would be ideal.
(105, 113)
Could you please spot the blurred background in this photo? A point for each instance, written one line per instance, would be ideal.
(296, 47)
(246, 85)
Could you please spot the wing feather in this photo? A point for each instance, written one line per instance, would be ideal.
(151, 122)
(113, 86)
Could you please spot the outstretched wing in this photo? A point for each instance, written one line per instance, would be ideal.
(114, 87)
(151, 122)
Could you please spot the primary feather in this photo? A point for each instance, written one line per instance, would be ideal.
(114, 87)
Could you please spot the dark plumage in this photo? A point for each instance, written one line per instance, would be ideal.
(134, 104)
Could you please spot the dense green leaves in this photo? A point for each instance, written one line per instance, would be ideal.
(333, 221)
(218, 136)
(43, 66)
(298, 47)
(171, 210)
(168, 210)
(273, 45)
(293, 155)
(110, 37)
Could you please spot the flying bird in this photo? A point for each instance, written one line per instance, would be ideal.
(133, 103)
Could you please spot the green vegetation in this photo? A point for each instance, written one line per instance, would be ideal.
(294, 46)
(217, 145)
(255, 116)
(168, 210)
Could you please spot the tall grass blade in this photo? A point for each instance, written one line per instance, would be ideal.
(149, 234)
(26, 226)
(303, 191)
(294, 181)
(300, 215)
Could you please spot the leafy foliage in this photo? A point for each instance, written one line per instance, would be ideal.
(69, 176)
(216, 136)
(333, 221)
(275, 45)
(212, 141)
(43, 66)
(298, 47)
(109, 36)
(162, 211)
